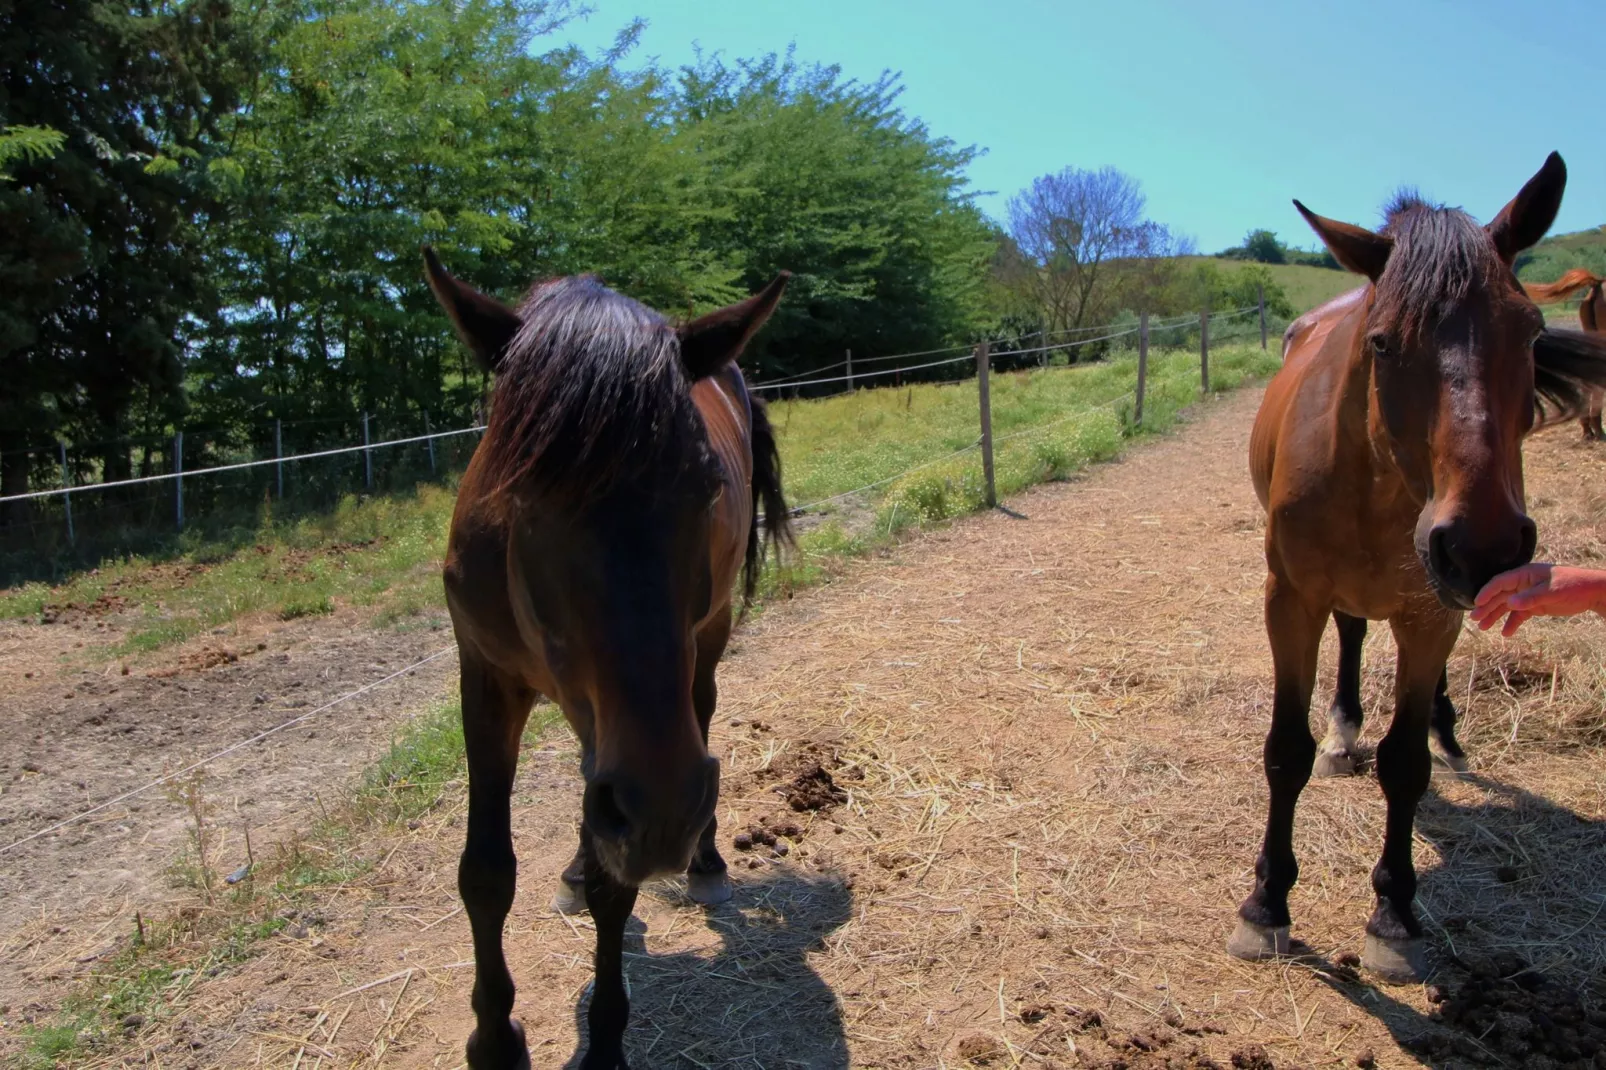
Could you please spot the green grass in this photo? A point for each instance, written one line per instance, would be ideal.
(1306, 286)
(383, 553)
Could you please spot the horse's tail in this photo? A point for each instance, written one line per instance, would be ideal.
(1544, 293)
(775, 528)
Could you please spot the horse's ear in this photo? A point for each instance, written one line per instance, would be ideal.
(484, 324)
(1527, 218)
(710, 342)
(1355, 248)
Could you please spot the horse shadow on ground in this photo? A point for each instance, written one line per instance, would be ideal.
(755, 1002)
(1515, 932)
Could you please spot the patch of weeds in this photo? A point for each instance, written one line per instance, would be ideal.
(163, 633)
(295, 607)
(49, 1044)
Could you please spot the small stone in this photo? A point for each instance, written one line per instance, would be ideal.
(414, 825)
(1366, 1060)
(783, 849)
(742, 841)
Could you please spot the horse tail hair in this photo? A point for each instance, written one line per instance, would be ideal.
(775, 527)
(1544, 293)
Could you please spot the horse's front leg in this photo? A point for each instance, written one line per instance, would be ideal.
(494, 712)
(610, 903)
(1295, 629)
(708, 878)
(1404, 767)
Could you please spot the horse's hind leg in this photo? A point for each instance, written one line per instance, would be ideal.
(1337, 754)
(1296, 634)
(570, 897)
(1443, 724)
(611, 904)
(707, 878)
(494, 711)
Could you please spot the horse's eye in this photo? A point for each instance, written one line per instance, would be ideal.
(1380, 344)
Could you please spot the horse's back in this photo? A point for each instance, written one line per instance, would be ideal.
(1300, 391)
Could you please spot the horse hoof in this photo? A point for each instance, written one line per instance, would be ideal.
(1398, 962)
(1334, 763)
(1456, 763)
(570, 898)
(1255, 942)
(503, 1050)
(709, 889)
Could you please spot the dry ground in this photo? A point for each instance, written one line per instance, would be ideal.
(1046, 736)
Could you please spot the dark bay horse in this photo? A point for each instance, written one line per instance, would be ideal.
(598, 536)
(1388, 456)
(1592, 315)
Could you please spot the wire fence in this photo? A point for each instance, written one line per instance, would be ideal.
(135, 513)
(985, 443)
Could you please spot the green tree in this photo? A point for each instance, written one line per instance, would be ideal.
(1263, 246)
(100, 267)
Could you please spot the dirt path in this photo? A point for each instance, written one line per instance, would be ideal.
(1046, 733)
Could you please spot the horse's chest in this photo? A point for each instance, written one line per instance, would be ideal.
(1353, 548)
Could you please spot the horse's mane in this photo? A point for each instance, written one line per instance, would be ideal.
(590, 394)
(1440, 255)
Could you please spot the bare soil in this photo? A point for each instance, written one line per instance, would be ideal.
(80, 727)
(988, 801)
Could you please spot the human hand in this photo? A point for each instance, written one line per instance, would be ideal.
(1538, 590)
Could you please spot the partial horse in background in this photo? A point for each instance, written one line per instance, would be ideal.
(1592, 316)
(598, 537)
(1388, 456)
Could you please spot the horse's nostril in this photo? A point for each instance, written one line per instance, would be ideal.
(604, 814)
(1530, 542)
(1440, 558)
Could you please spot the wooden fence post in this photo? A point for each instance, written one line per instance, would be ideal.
(850, 371)
(430, 441)
(1204, 350)
(66, 499)
(278, 452)
(982, 361)
(178, 476)
(367, 456)
(1261, 291)
(1143, 365)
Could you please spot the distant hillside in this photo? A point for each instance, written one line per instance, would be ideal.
(1308, 287)
(1547, 261)
(1305, 286)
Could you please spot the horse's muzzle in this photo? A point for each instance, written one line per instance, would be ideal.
(1459, 564)
(648, 827)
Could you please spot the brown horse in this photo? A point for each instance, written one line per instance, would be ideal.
(598, 535)
(1337, 754)
(1387, 453)
(1592, 314)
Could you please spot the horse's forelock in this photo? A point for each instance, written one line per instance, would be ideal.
(1441, 256)
(591, 394)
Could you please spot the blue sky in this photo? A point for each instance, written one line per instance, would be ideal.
(1224, 111)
